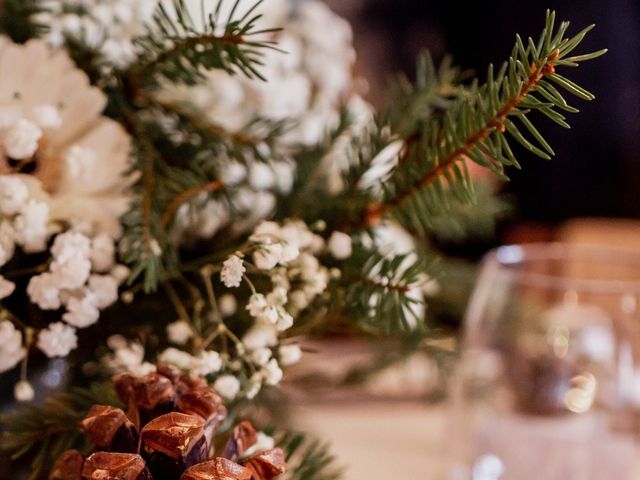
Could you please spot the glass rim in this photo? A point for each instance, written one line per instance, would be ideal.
(507, 256)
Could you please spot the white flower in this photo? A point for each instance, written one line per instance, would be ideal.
(120, 273)
(232, 271)
(289, 354)
(179, 332)
(127, 357)
(272, 372)
(233, 173)
(179, 358)
(267, 257)
(284, 320)
(289, 253)
(278, 296)
(47, 126)
(6, 287)
(104, 289)
(261, 356)
(23, 391)
(102, 254)
(257, 304)
(21, 140)
(11, 349)
(13, 194)
(227, 304)
(206, 363)
(261, 176)
(227, 386)
(43, 291)
(70, 245)
(260, 335)
(82, 311)
(81, 162)
(46, 116)
(71, 273)
(340, 245)
(31, 226)
(57, 340)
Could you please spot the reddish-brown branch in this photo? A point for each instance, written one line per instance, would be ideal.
(188, 195)
(377, 210)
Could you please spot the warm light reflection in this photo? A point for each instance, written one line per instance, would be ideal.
(579, 398)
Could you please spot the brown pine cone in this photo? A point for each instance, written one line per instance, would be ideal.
(166, 434)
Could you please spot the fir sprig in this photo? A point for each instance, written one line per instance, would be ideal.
(477, 126)
(307, 458)
(41, 433)
(177, 48)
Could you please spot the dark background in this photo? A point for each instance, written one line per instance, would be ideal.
(597, 168)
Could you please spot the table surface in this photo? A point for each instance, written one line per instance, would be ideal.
(381, 440)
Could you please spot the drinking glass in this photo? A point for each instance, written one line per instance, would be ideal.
(548, 383)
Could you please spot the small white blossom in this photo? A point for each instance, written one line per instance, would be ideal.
(340, 245)
(179, 358)
(71, 273)
(261, 176)
(13, 194)
(70, 245)
(102, 254)
(278, 296)
(120, 273)
(289, 354)
(82, 312)
(31, 226)
(232, 271)
(104, 289)
(23, 391)
(126, 357)
(227, 386)
(261, 356)
(179, 332)
(272, 372)
(206, 363)
(11, 349)
(21, 140)
(6, 287)
(227, 304)
(260, 335)
(267, 257)
(257, 304)
(44, 292)
(46, 116)
(289, 253)
(284, 320)
(57, 340)
(234, 173)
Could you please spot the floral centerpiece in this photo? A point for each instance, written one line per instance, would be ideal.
(200, 184)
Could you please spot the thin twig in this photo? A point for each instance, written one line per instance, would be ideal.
(188, 195)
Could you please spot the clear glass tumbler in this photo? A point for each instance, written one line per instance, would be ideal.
(548, 384)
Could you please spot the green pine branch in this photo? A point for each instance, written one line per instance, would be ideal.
(39, 434)
(380, 289)
(482, 125)
(307, 458)
(177, 49)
